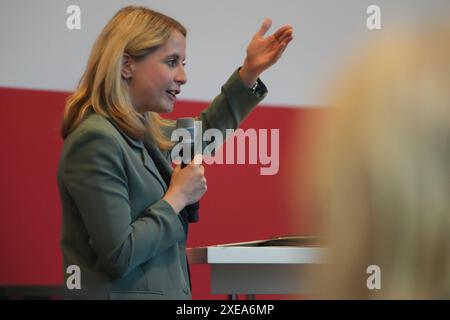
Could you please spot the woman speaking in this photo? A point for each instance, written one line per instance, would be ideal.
(125, 211)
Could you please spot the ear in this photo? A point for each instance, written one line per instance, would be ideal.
(127, 66)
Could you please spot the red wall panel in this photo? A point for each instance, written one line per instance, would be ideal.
(240, 204)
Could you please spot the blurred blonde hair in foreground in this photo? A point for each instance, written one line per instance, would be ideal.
(381, 171)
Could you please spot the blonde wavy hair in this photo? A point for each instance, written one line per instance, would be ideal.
(137, 31)
(381, 165)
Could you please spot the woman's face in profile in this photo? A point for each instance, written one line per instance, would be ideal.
(157, 79)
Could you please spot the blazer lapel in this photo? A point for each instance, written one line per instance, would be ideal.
(151, 166)
(159, 161)
(146, 150)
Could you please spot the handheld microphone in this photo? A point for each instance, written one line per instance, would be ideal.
(189, 125)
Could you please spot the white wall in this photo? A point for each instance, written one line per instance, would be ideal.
(39, 52)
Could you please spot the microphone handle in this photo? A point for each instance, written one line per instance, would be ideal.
(193, 208)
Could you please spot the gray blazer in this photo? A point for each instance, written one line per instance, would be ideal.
(127, 241)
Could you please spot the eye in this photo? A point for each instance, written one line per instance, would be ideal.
(172, 63)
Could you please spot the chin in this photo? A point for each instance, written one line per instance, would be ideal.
(167, 109)
(161, 109)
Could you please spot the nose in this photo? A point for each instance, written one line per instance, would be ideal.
(180, 76)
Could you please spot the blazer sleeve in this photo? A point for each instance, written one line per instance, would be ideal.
(228, 109)
(233, 104)
(95, 177)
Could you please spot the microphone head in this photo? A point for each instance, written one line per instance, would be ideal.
(189, 125)
(185, 123)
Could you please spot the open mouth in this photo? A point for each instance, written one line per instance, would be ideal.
(172, 94)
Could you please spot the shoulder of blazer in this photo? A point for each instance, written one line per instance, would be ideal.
(95, 123)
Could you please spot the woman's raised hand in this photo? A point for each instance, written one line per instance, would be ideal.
(263, 52)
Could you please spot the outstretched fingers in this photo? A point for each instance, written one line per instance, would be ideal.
(267, 23)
